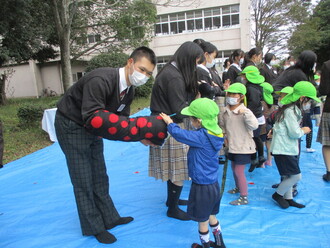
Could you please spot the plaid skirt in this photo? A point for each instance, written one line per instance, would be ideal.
(169, 162)
(323, 135)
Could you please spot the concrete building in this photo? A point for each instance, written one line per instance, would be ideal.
(225, 23)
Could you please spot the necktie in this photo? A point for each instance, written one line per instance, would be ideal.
(122, 94)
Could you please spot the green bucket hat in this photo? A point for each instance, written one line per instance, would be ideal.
(302, 88)
(316, 77)
(206, 110)
(237, 88)
(267, 92)
(287, 90)
(252, 74)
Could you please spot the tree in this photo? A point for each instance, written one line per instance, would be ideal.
(273, 20)
(314, 34)
(23, 32)
(118, 26)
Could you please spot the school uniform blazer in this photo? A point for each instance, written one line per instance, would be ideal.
(269, 74)
(232, 74)
(289, 77)
(169, 94)
(238, 128)
(254, 96)
(324, 88)
(99, 89)
(287, 132)
(203, 75)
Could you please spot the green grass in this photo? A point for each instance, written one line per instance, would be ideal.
(21, 141)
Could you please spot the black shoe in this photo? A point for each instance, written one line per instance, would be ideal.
(1, 166)
(326, 177)
(261, 160)
(254, 164)
(292, 203)
(105, 237)
(180, 203)
(280, 200)
(120, 221)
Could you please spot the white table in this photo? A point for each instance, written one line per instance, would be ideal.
(47, 123)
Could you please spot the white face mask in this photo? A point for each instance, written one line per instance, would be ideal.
(306, 106)
(241, 61)
(137, 78)
(232, 100)
(286, 67)
(210, 65)
(291, 63)
(273, 62)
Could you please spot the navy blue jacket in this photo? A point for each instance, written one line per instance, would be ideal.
(203, 153)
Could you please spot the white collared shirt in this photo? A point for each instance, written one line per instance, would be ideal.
(237, 66)
(122, 80)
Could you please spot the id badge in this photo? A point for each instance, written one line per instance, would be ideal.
(121, 107)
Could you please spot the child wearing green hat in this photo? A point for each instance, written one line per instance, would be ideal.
(285, 142)
(238, 123)
(254, 96)
(204, 145)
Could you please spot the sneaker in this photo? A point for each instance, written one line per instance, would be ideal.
(233, 191)
(310, 150)
(242, 200)
(294, 192)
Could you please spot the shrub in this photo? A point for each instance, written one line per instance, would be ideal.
(113, 60)
(29, 115)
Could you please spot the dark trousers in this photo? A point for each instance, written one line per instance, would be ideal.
(307, 122)
(85, 160)
(1, 144)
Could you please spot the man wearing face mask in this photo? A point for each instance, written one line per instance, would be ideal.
(102, 91)
(267, 70)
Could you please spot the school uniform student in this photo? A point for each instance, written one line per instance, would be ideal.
(204, 145)
(254, 96)
(238, 123)
(285, 142)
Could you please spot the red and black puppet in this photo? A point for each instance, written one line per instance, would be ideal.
(117, 127)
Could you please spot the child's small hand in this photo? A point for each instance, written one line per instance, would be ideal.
(166, 118)
(306, 130)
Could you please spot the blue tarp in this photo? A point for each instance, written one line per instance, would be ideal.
(37, 206)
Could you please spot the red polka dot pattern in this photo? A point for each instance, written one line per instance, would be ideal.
(149, 124)
(124, 124)
(113, 118)
(126, 138)
(97, 122)
(141, 122)
(131, 119)
(148, 135)
(159, 117)
(112, 130)
(134, 130)
(161, 135)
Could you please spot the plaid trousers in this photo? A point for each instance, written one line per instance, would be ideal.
(85, 161)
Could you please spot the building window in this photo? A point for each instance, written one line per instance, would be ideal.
(161, 61)
(197, 20)
(76, 76)
(93, 38)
